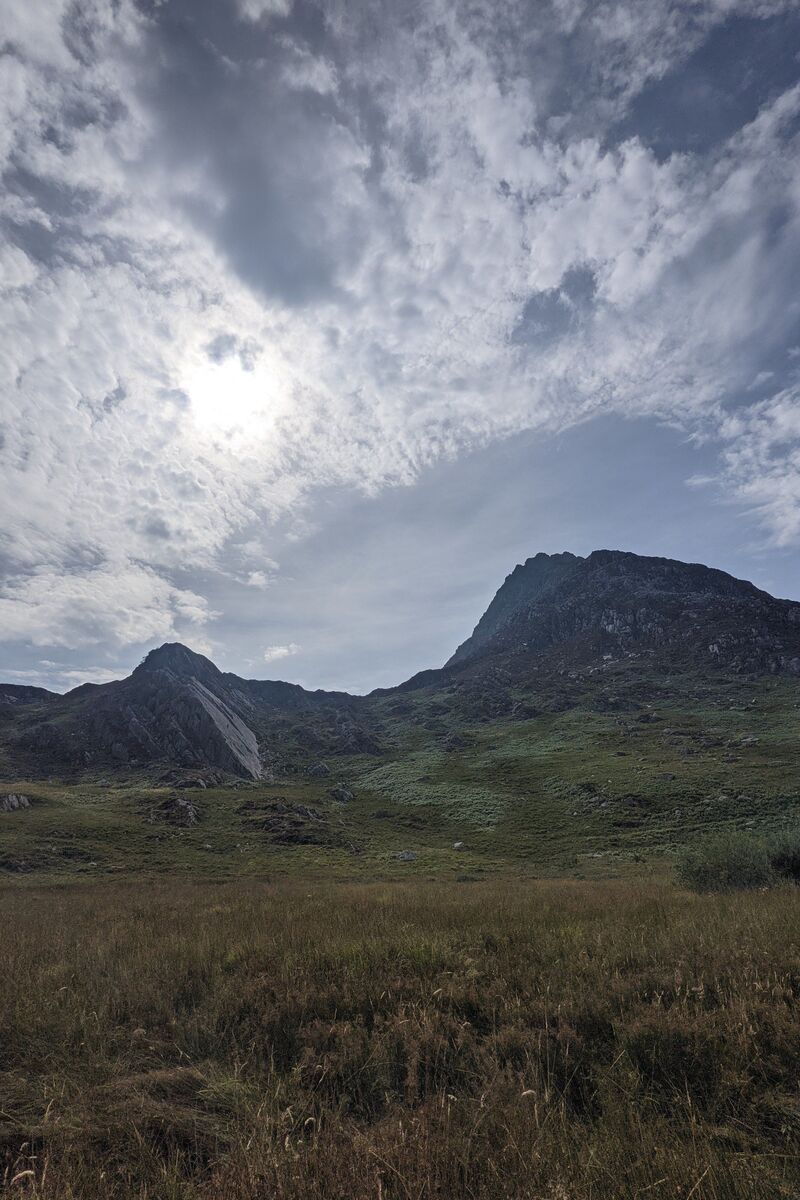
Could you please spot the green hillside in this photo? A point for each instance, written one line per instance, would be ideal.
(613, 784)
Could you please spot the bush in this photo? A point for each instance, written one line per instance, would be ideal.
(725, 863)
(784, 855)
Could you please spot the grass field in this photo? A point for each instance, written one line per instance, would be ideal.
(398, 1041)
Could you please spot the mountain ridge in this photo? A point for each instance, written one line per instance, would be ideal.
(552, 613)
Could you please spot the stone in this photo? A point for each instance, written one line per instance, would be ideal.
(318, 770)
(175, 810)
(290, 824)
(458, 845)
(341, 793)
(404, 856)
(13, 802)
(455, 741)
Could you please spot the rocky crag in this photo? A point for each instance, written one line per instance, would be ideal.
(616, 602)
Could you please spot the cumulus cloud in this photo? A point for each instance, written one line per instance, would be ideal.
(275, 652)
(761, 462)
(258, 579)
(57, 676)
(241, 267)
(117, 604)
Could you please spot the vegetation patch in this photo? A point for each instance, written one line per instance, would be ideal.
(732, 861)
(422, 779)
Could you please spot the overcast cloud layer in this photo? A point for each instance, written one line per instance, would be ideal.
(258, 254)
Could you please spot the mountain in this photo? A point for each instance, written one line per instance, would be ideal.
(604, 711)
(176, 709)
(616, 602)
(15, 693)
(554, 615)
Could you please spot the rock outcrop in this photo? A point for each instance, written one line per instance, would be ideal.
(13, 802)
(530, 581)
(176, 706)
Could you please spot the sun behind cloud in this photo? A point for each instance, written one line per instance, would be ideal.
(230, 399)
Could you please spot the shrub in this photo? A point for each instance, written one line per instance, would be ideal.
(726, 862)
(784, 855)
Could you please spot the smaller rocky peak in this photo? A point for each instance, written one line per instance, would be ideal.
(20, 693)
(178, 660)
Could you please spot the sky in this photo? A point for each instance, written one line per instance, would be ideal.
(316, 317)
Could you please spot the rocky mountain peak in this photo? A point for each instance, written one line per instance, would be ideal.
(179, 660)
(633, 602)
(179, 702)
(635, 572)
(554, 615)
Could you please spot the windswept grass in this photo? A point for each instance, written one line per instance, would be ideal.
(557, 1041)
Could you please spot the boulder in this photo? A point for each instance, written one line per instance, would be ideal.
(454, 741)
(290, 824)
(341, 793)
(176, 810)
(13, 801)
(404, 856)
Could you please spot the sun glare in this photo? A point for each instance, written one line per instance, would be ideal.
(227, 399)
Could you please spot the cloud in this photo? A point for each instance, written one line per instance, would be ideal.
(57, 676)
(305, 70)
(761, 462)
(121, 604)
(275, 652)
(258, 10)
(258, 579)
(240, 268)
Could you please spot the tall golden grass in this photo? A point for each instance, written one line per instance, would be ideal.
(552, 1041)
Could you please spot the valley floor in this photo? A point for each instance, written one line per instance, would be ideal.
(548, 1040)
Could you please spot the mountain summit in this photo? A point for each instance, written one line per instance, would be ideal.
(179, 659)
(528, 582)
